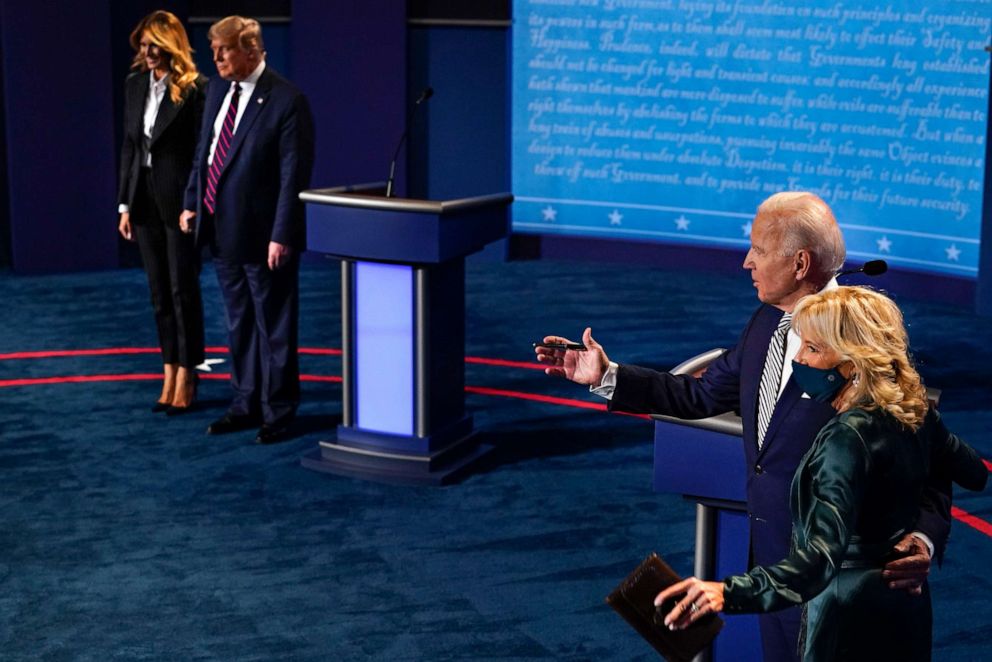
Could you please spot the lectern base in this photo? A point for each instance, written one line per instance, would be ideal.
(441, 468)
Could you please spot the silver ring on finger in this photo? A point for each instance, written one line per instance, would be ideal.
(694, 608)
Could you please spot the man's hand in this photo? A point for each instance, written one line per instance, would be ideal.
(124, 227)
(910, 570)
(696, 598)
(279, 255)
(187, 221)
(582, 367)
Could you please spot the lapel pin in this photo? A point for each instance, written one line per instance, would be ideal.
(259, 101)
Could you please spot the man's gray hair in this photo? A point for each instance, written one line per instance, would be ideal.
(802, 220)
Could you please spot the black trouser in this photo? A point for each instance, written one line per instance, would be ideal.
(172, 264)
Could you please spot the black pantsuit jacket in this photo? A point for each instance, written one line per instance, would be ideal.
(173, 144)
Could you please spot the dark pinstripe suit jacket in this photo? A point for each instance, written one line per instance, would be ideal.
(173, 144)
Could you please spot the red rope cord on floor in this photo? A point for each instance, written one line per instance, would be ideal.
(119, 351)
(972, 521)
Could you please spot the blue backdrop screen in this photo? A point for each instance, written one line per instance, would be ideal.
(670, 120)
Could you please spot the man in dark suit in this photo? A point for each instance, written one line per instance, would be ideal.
(254, 157)
(796, 248)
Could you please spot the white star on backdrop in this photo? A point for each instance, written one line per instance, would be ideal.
(884, 244)
(953, 252)
(549, 213)
(615, 217)
(747, 229)
(682, 223)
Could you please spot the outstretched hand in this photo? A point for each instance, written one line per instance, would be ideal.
(698, 599)
(910, 570)
(582, 367)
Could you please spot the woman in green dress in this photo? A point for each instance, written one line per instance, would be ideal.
(855, 493)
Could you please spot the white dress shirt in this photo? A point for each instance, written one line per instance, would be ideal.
(156, 92)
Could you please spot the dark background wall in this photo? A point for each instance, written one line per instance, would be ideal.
(459, 143)
(983, 298)
(4, 201)
(350, 60)
(58, 98)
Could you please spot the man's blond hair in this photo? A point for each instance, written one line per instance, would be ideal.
(245, 32)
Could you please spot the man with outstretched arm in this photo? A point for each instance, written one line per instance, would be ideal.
(796, 249)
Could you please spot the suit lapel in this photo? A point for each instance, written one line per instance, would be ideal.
(167, 112)
(139, 93)
(790, 396)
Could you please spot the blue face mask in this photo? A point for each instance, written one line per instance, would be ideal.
(821, 384)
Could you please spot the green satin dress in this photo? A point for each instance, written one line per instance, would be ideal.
(855, 494)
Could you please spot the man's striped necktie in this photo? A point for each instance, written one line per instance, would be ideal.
(220, 151)
(771, 376)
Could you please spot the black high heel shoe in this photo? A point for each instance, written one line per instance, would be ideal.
(172, 410)
(160, 406)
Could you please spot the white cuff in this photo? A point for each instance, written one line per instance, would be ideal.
(122, 209)
(608, 384)
(926, 540)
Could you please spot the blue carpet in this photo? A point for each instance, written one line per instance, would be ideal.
(129, 536)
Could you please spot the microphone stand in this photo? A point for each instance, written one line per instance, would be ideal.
(392, 166)
(424, 96)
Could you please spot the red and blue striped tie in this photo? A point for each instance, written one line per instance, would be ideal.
(220, 151)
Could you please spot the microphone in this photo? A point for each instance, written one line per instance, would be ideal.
(424, 96)
(870, 268)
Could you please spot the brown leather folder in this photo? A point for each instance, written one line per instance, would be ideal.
(634, 600)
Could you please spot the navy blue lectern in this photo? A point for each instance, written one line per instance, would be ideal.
(403, 329)
(703, 460)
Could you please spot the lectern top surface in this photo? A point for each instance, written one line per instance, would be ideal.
(366, 197)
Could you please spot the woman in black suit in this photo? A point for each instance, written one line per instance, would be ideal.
(163, 105)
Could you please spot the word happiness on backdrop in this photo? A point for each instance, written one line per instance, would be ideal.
(625, 110)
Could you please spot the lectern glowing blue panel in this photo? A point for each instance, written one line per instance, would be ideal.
(403, 330)
(384, 322)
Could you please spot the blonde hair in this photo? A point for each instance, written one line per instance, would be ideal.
(866, 328)
(167, 32)
(802, 220)
(245, 31)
